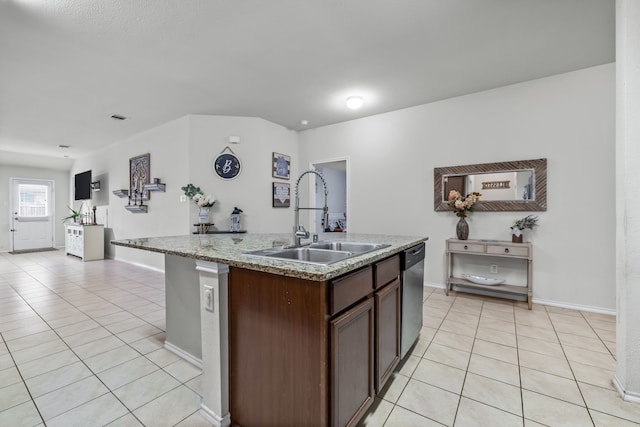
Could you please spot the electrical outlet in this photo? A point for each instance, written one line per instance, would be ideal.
(208, 298)
(494, 268)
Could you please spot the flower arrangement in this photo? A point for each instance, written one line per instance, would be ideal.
(528, 221)
(462, 204)
(195, 194)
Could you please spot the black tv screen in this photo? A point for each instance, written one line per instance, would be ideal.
(83, 186)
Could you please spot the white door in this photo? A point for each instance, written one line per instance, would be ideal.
(31, 214)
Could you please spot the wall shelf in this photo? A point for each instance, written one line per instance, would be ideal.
(156, 185)
(121, 193)
(137, 208)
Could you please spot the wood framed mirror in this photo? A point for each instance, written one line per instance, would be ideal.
(505, 186)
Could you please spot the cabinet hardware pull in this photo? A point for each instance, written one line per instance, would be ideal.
(506, 250)
(466, 247)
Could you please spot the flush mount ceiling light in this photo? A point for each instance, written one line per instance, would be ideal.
(354, 102)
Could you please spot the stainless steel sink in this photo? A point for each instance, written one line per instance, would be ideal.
(322, 253)
(355, 247)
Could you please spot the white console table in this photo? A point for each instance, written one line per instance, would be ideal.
(84, 241)
(491, 248)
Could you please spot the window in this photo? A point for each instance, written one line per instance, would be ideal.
(33, 200)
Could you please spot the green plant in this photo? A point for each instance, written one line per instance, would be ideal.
(196, 194)
(74, 214)
(528, 221)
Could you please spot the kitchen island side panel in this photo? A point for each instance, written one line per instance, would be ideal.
(278, 350)
(182, 288)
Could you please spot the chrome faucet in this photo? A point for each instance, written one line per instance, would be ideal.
(299, 231)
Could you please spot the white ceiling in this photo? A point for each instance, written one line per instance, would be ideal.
(67, 65)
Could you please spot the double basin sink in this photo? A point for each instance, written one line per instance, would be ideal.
(321, 253)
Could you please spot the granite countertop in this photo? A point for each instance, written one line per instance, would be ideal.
(230, 248)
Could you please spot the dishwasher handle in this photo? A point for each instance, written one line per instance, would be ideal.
(412, 256)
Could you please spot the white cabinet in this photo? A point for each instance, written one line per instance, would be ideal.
(486, 249)
(84, 241)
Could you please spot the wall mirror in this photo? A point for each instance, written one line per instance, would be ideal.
(505, 186)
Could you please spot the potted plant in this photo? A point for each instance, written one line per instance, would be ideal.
(203, 202)
(74, 215)
(461, 205)
(528, 221)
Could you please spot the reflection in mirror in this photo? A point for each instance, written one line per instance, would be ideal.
(511, 185)
(505, 186)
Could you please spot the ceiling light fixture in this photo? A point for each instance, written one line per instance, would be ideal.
(354, 102)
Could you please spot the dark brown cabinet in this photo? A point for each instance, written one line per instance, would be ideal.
(309, 353)
(352, 364)
(387, 326)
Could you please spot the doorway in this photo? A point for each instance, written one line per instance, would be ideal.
(31, 214)
(335, 172)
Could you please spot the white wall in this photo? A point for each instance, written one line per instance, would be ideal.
(251, 191)
(568, 119)
(182, 152)
(61, 195)
(627, 378)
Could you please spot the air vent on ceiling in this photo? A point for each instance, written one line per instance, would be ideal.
(118, 117)
(63, 146)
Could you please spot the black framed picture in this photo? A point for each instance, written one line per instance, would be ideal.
(281, 195)
(281, 165)
(139, 173)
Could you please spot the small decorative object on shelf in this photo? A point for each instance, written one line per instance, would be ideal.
(121, 193)
(203, 202)
(528, 221)
(138, 206)
(155, 186)
(461, 205)
(203, 215)
(203, 227)
(235, 219)
(74, 215)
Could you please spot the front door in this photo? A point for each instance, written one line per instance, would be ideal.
(31, 214)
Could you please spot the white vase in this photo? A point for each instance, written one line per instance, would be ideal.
(203, 215)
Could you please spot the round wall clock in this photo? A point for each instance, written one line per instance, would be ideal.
(226, 165)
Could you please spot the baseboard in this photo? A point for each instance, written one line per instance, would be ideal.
(214, 418)
(183, 354)
(137, 264)
(588, 308)
(628, 396)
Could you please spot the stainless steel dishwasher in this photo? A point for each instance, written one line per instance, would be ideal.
(412, 277)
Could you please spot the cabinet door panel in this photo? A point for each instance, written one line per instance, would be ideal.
(387, 311)
(352, 364)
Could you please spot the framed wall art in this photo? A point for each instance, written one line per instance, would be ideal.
(139, 173)
(281, 165)
(227, 165)
(281, 195)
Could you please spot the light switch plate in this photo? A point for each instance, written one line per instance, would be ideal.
(208, 298)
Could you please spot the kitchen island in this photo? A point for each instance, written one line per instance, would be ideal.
(282, 342)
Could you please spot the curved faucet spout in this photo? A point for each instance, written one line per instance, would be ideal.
(299, 231)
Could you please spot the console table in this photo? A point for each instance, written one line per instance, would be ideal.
(491, 248)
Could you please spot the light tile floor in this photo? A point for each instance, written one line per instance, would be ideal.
(81, 344)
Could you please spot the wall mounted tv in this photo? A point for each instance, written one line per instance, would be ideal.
(83, 186)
